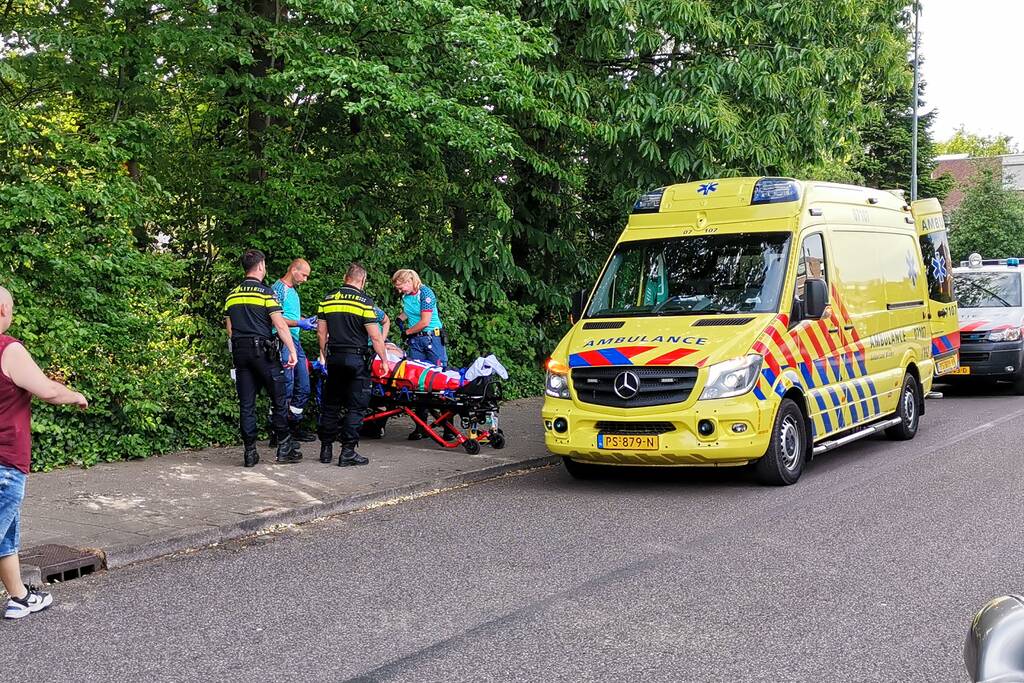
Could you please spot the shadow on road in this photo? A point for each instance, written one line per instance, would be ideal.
(977, 389)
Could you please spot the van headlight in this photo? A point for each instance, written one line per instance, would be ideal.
(732, 377)
(1011, 334)
(557, 386)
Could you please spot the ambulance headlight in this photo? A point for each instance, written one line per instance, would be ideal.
(732, 377)
(557, 386)
(556, 383)
(1012, 334)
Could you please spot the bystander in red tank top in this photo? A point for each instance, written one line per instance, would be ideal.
(15, 419)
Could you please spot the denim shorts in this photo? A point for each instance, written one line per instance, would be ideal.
(12, 491)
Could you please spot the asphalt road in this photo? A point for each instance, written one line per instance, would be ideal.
(869, 569)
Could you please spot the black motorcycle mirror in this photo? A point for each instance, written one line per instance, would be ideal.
(994, 649)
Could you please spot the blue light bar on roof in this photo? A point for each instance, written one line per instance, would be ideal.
(1013, 262)
(649, 202)
(774, 190)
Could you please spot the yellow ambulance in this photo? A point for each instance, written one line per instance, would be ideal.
(754, 321)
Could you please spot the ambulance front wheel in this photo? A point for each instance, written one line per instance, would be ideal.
(783, 462)
(909, 411)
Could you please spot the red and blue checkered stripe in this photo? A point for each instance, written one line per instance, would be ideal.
(945, 343)
(615, 356)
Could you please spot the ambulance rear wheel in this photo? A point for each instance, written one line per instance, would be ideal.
(582, 470)
(783, 462)
(909, 411)
(472, 447)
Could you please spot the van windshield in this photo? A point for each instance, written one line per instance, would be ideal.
(734, 273)
(987, 290)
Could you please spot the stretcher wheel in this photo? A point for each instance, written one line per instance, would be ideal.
(497, 440)
(472, 447)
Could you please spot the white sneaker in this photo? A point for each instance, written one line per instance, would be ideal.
(34, 601)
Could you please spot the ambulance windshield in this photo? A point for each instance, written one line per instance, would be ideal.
(987, 290)
(700, 275)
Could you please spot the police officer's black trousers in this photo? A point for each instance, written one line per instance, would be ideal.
(255, 369)
(348, 387)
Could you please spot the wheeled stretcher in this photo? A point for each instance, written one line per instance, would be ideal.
(467, 415)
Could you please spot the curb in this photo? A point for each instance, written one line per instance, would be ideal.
(31, 575)
(124, 555)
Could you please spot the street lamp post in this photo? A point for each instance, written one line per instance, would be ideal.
(913, 142)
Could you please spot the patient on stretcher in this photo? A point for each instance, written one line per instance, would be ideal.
(422, 376)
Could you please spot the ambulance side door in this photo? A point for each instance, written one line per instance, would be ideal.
(938, 266)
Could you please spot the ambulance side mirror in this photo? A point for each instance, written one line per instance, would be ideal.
(579, 301)
(815, 298)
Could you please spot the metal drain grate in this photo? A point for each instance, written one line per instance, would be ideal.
(62, 563)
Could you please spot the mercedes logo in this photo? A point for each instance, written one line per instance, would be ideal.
(626, 385)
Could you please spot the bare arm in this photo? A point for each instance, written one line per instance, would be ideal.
(17, 364)
(286, 338)
(387, 327)
(378, 346)
(321, 335)
(422, 324)
(227, 324)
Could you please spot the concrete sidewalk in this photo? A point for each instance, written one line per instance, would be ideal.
(135, 511)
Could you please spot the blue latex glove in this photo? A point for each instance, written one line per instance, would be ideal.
(319, 367)
(307, 324)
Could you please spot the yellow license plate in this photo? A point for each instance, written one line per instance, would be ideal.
(948, 365)
(627, 442)
(962, 370)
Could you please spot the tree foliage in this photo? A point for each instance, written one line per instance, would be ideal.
(964, 142)
(989, 219)
(493, 145)
(884, 153)
(887, 143)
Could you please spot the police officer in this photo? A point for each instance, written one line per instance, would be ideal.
(252, 316)
(422, 328)
(346, 321)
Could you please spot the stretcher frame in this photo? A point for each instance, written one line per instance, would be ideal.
(473, 410)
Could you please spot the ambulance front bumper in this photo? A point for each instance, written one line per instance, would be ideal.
(740, 434)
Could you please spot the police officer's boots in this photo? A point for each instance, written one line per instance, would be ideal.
(288, 451)
(349, 457)
(326, 452)
(251, 455)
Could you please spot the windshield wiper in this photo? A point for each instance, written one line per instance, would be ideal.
(678, 298)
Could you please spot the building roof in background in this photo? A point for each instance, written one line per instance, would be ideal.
(963, 168)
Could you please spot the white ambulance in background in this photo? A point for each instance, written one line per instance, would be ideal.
(990, 294)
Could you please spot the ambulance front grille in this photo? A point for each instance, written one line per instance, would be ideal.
(634, 428)
(657, 386)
